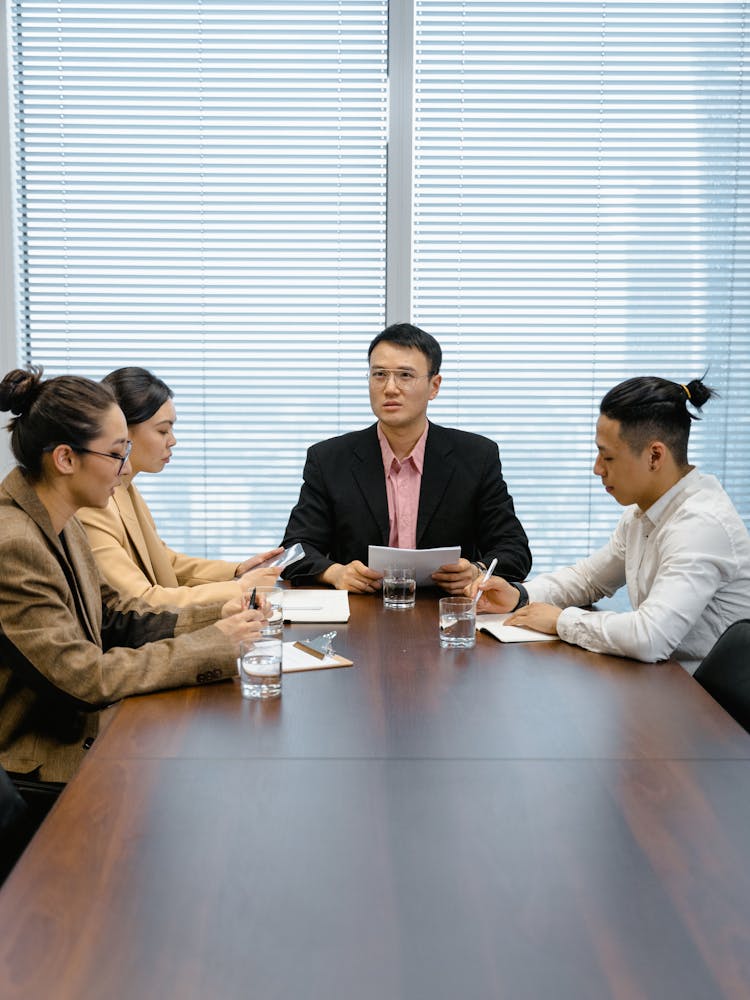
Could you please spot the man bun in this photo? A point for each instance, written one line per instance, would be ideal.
(698, 392)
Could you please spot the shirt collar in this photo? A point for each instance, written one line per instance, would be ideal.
(657, 510)
(416, 457)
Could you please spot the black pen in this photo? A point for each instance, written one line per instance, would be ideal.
(252, 603)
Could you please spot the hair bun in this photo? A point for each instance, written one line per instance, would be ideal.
(19, 389)
(698, 393)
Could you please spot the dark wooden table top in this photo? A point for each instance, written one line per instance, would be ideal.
(510, 821)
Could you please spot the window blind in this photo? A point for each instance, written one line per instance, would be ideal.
(201, 191)
(582, 193)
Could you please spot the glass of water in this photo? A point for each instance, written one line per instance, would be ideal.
(274, 598)
(399, 587)
(259, 666)
(458, 619)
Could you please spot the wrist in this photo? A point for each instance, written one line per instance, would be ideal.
(523, 595)
(480, 568)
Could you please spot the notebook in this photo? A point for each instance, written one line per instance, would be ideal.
(494, 625)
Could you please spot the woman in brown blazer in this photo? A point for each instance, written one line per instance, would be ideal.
(123, 536)
(69, 643)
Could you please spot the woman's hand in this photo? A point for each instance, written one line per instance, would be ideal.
(254, 561)
(244, 626)
(266, 577)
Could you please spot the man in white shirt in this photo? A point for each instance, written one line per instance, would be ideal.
(681, 547)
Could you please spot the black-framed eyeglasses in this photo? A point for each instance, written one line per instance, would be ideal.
(122, 459)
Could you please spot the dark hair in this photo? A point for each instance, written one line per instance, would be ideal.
(139, 394)
(406, 335)
(67, 409)
(650, 408)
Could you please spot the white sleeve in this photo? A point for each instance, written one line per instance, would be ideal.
(694, 556)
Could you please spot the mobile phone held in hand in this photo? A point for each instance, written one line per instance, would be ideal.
(291, 555)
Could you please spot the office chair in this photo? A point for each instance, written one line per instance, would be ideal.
(14, 831)
(725, 672)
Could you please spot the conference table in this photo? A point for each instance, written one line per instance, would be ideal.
(513, 820)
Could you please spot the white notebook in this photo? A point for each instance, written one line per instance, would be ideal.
(316, 605)
(495, 625)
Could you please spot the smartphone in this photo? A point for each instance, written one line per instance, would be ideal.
(291, 555)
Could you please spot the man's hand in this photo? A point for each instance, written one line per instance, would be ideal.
(539, 617)
(496, 595)
(355, 576)
(456, 577)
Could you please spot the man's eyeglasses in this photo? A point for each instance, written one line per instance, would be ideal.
(402, 378)
(122, 459)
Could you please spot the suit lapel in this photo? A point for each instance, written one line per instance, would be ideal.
(437, 473)
(87, 604)
(131, 524)
(367, 472)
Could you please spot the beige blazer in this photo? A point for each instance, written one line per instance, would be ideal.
(137, 563)
(69, 645)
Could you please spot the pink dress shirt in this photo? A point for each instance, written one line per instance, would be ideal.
(403, 481)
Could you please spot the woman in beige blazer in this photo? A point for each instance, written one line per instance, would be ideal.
(69, 644)
(123, 535)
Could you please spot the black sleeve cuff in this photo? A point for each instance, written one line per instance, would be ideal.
(523, 598)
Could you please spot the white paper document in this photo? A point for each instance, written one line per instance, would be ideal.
(295, 659)
(316, 605)
(425, 561)
(495, 625)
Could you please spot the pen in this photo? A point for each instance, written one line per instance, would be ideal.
(485, 578)
(252, 604)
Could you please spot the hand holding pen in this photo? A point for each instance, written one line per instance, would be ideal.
(483, 581)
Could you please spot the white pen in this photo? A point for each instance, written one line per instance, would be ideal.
(485, 578)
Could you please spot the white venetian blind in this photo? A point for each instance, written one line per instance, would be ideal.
(582, 197)
(201, 191)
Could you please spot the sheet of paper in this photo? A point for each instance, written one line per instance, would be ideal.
(425, 561)
(294, 659)
(316, 605)
(495, 625)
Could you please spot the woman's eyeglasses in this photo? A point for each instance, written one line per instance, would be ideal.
(122, 459)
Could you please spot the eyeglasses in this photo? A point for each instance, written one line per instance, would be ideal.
(122, 459)
(402, 378)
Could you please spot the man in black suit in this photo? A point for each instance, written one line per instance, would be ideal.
(404, 482)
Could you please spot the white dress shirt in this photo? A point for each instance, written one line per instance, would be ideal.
(686, 563)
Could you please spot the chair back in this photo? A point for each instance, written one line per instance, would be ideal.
(725, 672)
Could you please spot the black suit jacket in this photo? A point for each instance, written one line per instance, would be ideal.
(343, 506)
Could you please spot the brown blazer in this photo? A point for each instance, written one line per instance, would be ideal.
(69, 645)
(137, 563)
